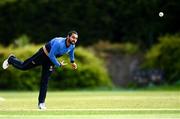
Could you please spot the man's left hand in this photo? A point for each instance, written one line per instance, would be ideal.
(74, 65)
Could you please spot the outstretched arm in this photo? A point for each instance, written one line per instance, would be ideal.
(71, 55)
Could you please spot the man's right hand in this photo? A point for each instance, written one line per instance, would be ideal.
(63, 63)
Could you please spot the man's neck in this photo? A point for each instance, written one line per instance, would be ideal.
(67, 43)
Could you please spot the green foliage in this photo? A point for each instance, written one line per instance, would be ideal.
(16, 79)
(116, 20)
(91, 71)
(124, 48)
(21, 41)
(2, 2)
(166, 56)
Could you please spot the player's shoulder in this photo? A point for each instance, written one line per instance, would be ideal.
(59, 38)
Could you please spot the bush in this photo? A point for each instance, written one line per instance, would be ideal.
(165, 56)
(91, 72)
(123, 48)
(16, 79)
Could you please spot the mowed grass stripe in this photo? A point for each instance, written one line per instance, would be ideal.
(91, 112)
(146, 116)
(20, 104)
(102, 109)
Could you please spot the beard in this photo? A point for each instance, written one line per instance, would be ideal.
(72, 42)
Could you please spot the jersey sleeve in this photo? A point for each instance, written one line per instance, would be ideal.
(71, 55)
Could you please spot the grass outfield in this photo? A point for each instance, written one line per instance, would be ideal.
(95, 105)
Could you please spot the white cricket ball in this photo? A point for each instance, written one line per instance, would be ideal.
(161, 14)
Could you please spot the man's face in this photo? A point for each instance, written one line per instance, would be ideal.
(73, 38)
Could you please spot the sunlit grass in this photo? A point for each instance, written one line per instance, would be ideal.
(94, 104)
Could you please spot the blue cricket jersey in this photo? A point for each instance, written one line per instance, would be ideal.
(59, 48)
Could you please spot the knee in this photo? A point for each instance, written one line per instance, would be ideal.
(24, 68)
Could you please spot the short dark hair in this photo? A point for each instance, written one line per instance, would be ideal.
(72, 32)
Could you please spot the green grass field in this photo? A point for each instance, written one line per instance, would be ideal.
(92, 104)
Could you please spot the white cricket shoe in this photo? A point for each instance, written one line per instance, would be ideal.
(42, 106)
(5, 64)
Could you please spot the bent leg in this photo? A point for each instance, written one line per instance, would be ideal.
(27, 64)
(15, 62)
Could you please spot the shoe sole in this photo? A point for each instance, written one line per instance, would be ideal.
(5, 64)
